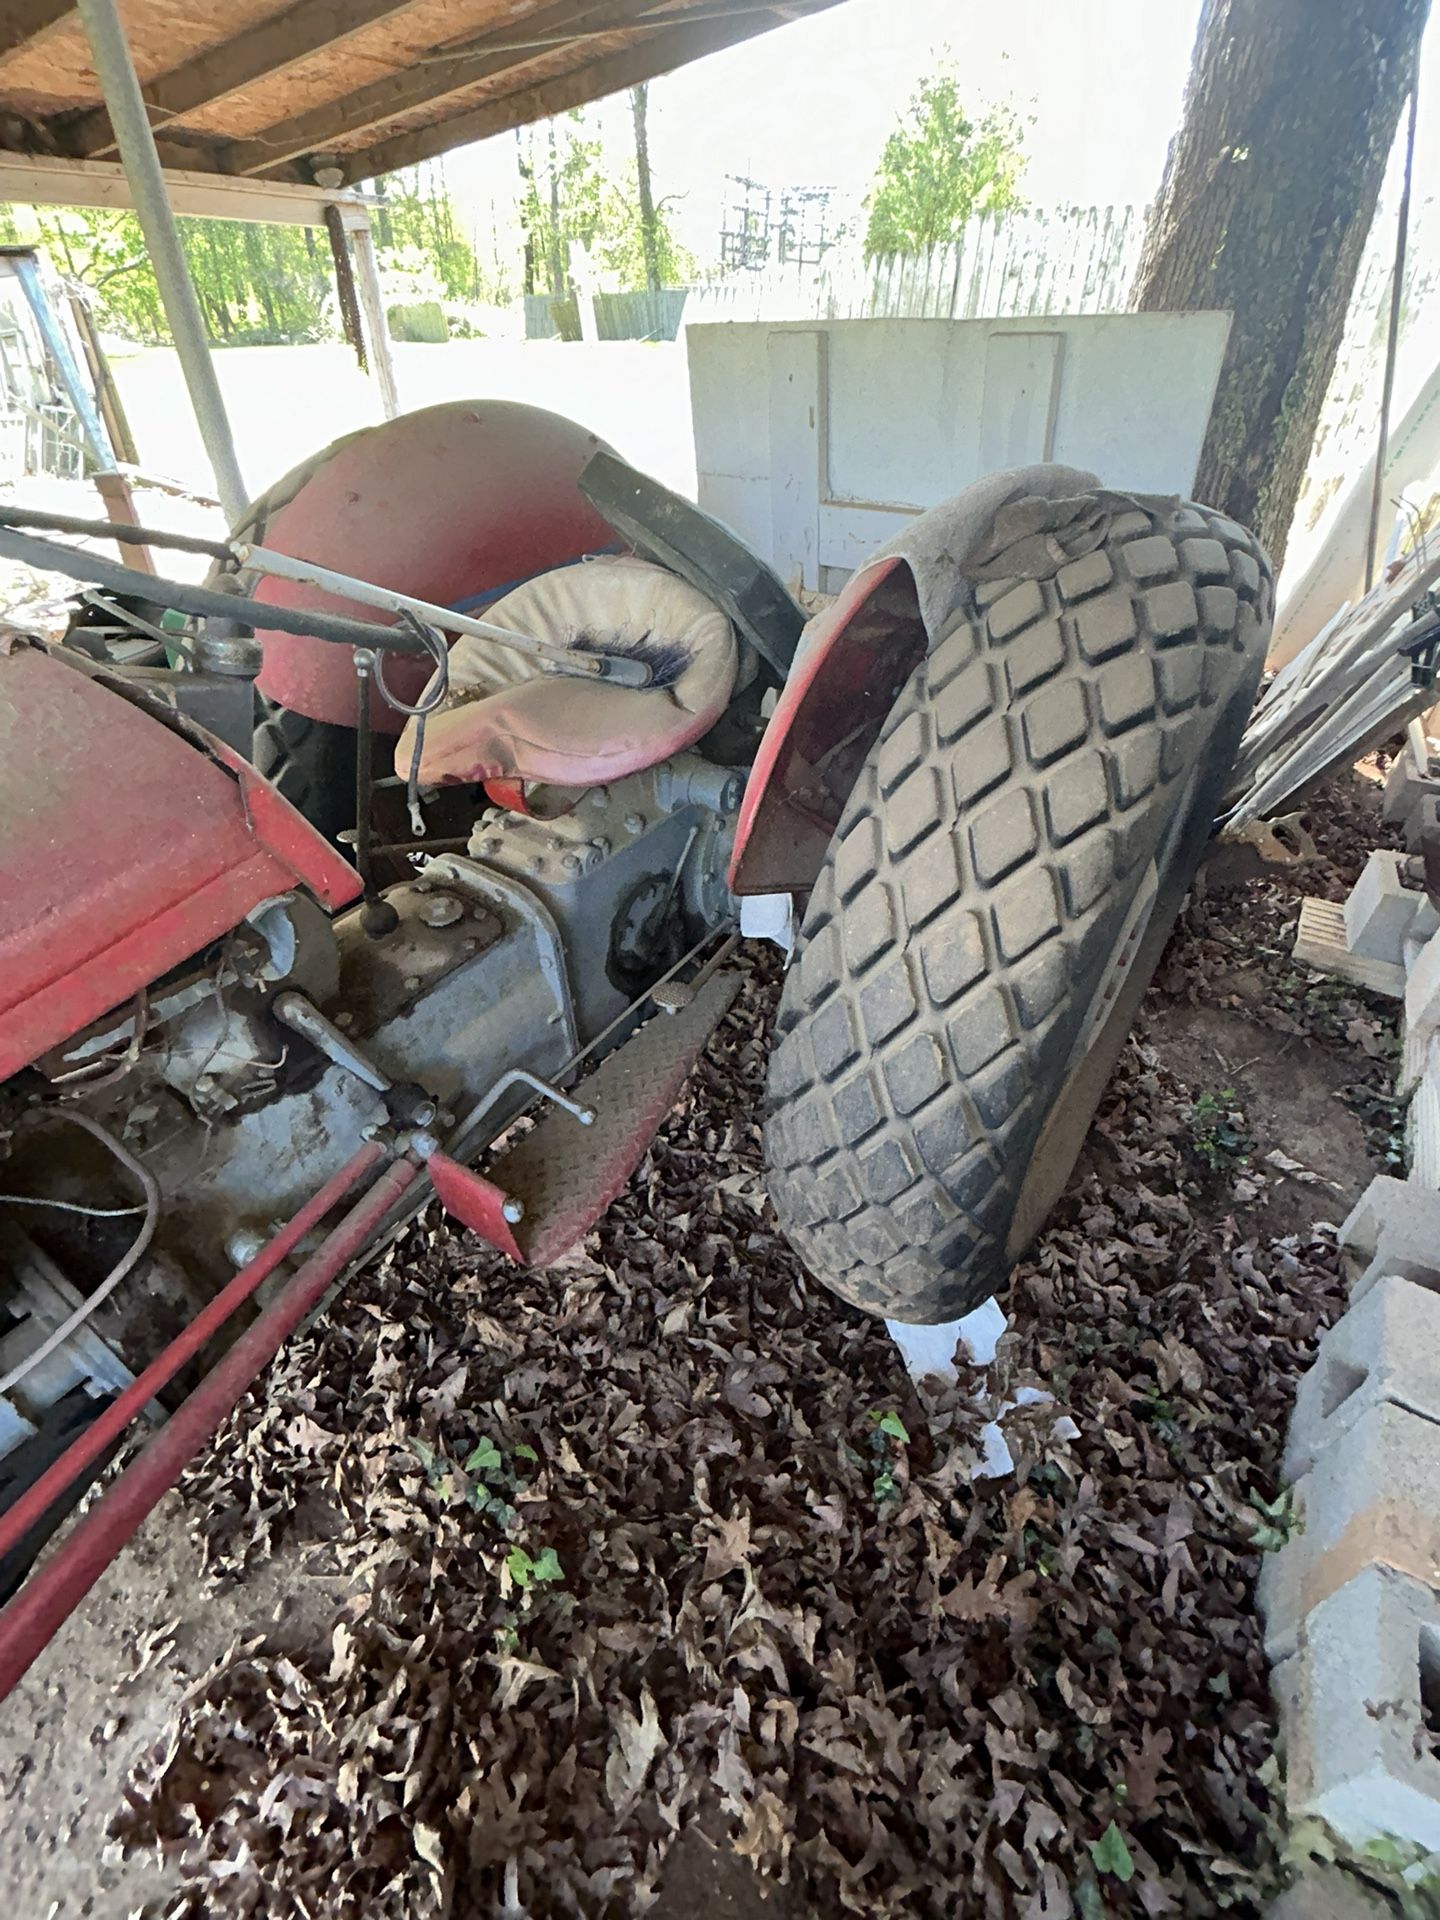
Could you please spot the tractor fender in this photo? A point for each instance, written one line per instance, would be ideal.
(456, 503)
(855, 657)
(132, 840)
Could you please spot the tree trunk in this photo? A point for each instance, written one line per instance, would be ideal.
(1265, 207)
(558, 285)
(649, 230)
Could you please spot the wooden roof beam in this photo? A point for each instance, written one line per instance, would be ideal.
(47, 180)
(22, 21)
(521, 41)
(261, 51)
(436, 78)
(658, 53)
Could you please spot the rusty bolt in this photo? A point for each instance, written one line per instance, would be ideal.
(345, 1019)
(600, 843)
(571, 863)
(634, 823)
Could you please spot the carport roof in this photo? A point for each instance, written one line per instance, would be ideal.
(257, 90)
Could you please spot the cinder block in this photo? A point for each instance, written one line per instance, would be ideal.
(1394, 1227)
(1360, 1705)
(1320, 942)
(1382, 913)
(1386, 1348)
(1422, 992)
(1422, 822)
(1407, 785)
(1422, 1121)
(1328, 1892)
(1374, 1500)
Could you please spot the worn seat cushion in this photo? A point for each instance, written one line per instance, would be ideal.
(504, 718)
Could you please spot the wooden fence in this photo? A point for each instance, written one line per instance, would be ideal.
(1070, 260)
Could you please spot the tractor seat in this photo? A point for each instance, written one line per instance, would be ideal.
(504, 718)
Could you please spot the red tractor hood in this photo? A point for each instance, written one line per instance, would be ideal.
(125, 847)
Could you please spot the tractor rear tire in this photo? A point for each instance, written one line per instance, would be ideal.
(311, 762)
(1004, 876)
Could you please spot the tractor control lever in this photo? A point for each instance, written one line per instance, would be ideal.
(619, 669)
(408, 1105)
(302, 1016)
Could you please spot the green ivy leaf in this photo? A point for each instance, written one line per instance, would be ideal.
(1088, 1903)
(483, 1457)
(1111, 1855)
(891, 1424)
(524, 1452)
(520, 1567)
(548, 1566)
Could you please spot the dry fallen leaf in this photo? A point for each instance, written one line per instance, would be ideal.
(916, 1707)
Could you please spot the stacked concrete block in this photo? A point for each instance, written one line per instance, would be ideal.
(1357, 1701)
(1411, 791)
(1422, 992)
(1365, 1500)
(1352, 1601)
(1384, 1352)
(1382, 912)
(1394, 1228)
(1378, 932)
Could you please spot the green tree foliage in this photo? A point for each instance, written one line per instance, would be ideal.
(566, 197)
(417, 216)
(257, 284)
(939, 167)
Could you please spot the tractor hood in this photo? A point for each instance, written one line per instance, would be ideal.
(126, 846)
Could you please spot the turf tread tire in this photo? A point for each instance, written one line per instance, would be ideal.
(974, 890)
(312, 762)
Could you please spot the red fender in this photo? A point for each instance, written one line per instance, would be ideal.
(852, 661)
(454, 504)
(129, 845)
(855, 657)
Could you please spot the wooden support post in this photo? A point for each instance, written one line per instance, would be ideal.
(112, 407)
(372, 305)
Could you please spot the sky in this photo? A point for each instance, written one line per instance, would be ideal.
(811, 103)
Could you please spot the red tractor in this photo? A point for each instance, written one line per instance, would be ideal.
(234, 1059)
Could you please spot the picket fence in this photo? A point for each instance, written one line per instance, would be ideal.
(1068, 260)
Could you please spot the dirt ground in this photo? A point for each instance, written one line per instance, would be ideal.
(789, 1664)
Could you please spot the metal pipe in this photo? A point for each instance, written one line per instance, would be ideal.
(136, 144)
(55, 1589)
(1392, 338)
(127, 535)
(81, 564)
(108, 1425)
(364, 769)
(522, 1077)
(619, 668)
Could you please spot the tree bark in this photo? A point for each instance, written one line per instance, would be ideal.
(558, 280)
(649, 232)
(1267, 200)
